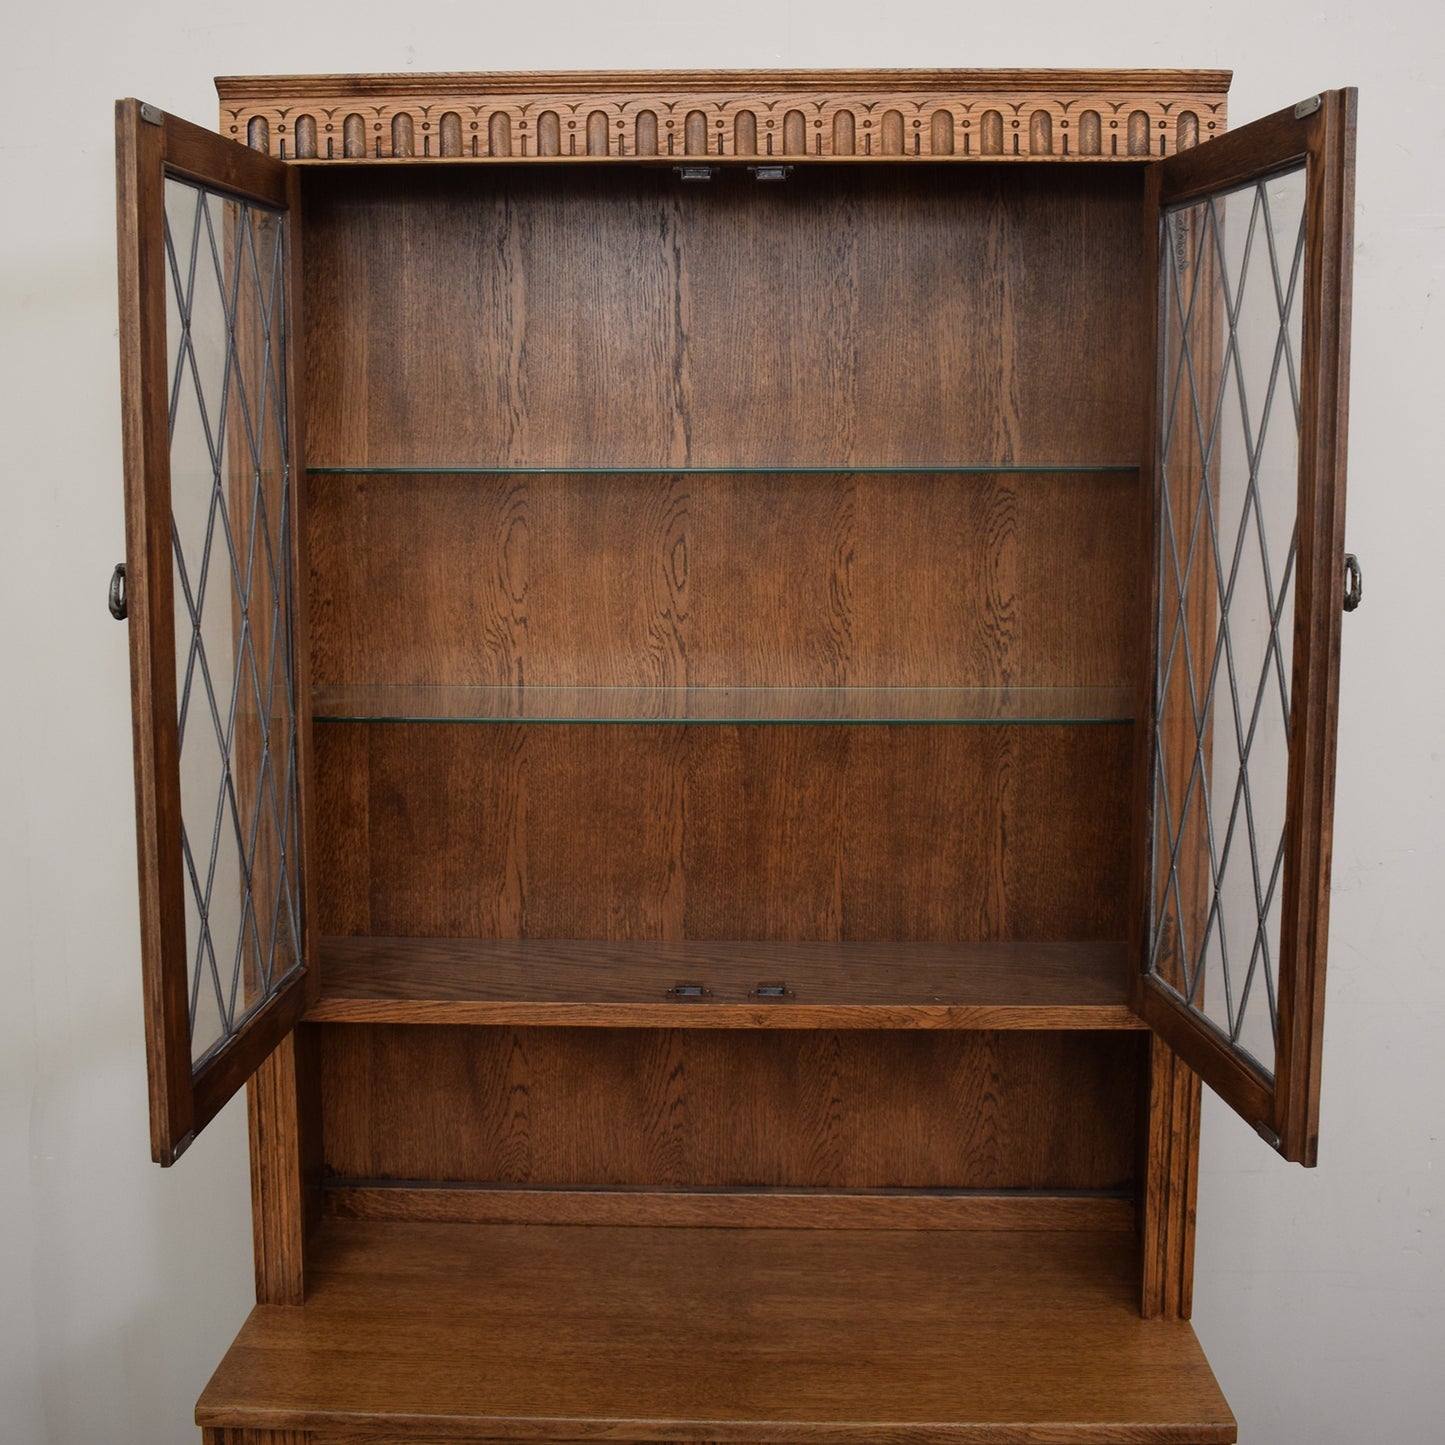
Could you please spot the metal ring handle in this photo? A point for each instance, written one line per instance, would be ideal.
(119, 607)
(1354, 582)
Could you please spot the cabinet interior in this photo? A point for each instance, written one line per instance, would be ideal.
(701, 567)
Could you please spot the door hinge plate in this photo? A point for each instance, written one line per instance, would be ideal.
(771, 992)
(1308, 107)
(689, 992)
(151, 114)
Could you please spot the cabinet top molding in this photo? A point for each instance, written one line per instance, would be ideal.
(669, 115)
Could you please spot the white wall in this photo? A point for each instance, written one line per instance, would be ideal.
(1321, 1296)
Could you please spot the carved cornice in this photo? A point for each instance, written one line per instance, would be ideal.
(799, 116)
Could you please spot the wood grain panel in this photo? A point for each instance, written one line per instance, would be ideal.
(766, 832)
(969, 314)
(760, 1335)
(707, 1108)
(716, 580)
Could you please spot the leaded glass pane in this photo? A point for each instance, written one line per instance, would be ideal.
(1231, 288)
(230, 523)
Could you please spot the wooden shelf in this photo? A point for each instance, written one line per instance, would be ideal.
(829, 985)
(511, 1332)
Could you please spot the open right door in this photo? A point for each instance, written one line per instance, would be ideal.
(1252, 237)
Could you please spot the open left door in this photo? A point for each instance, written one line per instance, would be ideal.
(208, 267)
(1252, 236)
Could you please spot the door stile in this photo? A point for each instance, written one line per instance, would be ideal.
(301, 590)
(1324, 426)
(140, 182)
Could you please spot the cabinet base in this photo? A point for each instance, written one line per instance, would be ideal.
(424, 1332)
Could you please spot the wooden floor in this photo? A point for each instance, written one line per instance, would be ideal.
(462, 1332)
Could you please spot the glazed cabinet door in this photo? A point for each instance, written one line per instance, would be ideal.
(208, 268)
(1251, 238)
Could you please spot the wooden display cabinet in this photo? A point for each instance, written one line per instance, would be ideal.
(734, 700)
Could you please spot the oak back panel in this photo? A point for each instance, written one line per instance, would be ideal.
(851, 315)
(718, 1108)
(665, 831)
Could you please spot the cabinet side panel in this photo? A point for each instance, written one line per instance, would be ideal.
(730, 1108)
(926, 314)
(756, 832)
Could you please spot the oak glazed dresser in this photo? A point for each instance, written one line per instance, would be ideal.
(734, 689)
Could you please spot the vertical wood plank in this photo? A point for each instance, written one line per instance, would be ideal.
(283, 1112)
(1169, 1185)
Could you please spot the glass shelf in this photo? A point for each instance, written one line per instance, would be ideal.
(451, 469)
(894, 705)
